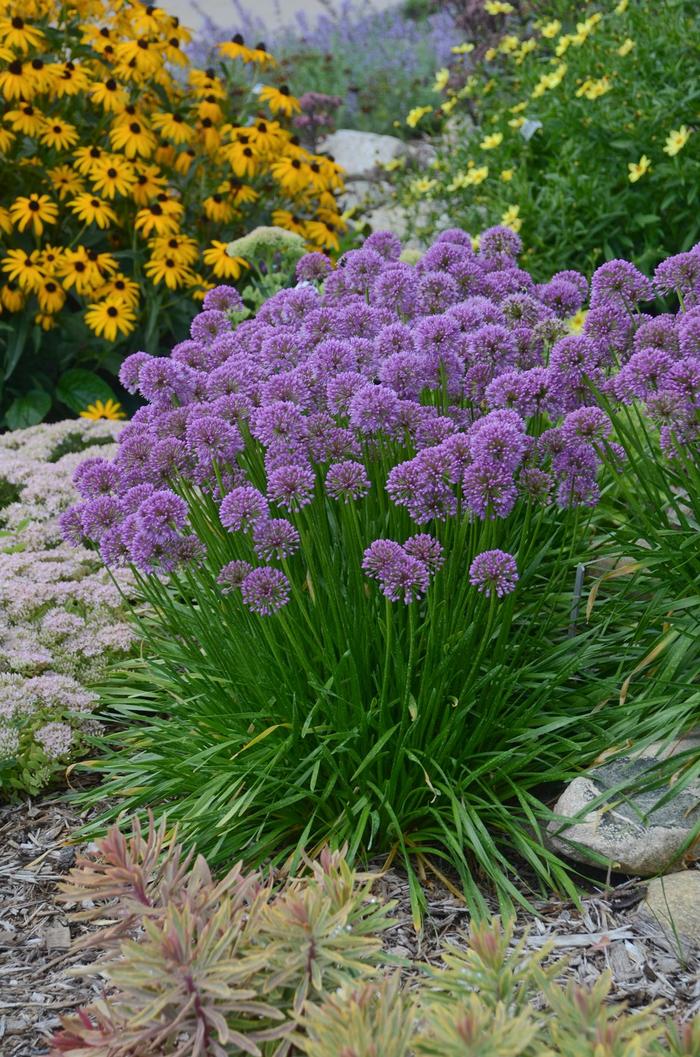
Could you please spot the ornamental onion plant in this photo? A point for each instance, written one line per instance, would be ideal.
(360, 521)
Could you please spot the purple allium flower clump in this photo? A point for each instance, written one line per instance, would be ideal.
(456, 386)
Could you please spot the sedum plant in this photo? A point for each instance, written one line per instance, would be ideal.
(358, 519)
(199, 966)
(214, 969)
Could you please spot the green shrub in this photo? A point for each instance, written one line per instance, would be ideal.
(564, 114)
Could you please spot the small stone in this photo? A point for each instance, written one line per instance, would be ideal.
(630, 833)
(57, 937)
(673, 902)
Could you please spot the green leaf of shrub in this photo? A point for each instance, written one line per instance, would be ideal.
(77, 388)
(28, 410)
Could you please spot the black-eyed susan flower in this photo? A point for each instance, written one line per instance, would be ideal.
(149, 182)
(50, 258)
(284, 218)
(65, 181)
(242, 157)
(17, 80)
(33, 209)
(173, 127)
(219, 208)
(12, 297)
(59, 134)
(110, 409)
(120, 286)
(280, 100)
(50, 295)
(154, 219)
(23, 268)
(25, 119)
(20, 35)
(182, 247)
(110, 318)
(7, 138)
(182, 161)
(323, 233)
(67, 78)
(79, 272)
(5, 221)
(112, 175)
(93, 210)
(223, 266)
(110, 95)
(204, 82)
(292, 174)
(236, 48)
(134, 138)
(45, 320)
(166, 270)
(238, 192)
(85, 158)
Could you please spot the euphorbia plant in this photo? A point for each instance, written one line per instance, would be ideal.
(357, 519)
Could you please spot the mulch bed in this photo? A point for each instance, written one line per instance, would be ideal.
(37, 982)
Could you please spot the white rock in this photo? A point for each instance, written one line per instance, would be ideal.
(626, 832)
(360, 153)
(673, 902)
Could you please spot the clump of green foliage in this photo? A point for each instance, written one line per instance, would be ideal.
(578, 130)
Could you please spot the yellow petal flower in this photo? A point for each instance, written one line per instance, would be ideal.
(637, 169)
(676, 140)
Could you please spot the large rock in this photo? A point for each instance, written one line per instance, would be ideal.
(360, 153)
(673, 902)
(630, 832)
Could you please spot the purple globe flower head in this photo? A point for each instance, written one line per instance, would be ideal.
(683, 378)
(100, 514)
(380, 557)
(431, 429)
(494, 573)
(334, 288)
(457, 236)
(71, 525)
(265, 590)
(280, 419)
(214, 438)
(426, 549)
(130, 370)
(522, 308)
(404, 372)
(192, 354)
(476, 311)
(498, 445)
(644, 373)
(242, 507)
(506, 282)
(373, 409)
(133, 497)
(385, 243)
(396, 337)
(438, 334)
(536, 484)
(468, 273)
(209, 325)
(610, 325)
(291, 487)
(134, 459)
(163, 382)
(275, 538)
(576, 353)
(169, 423)
(281, 350)
(527, 392)
(334, 444)
(458, 447)
(169, 458)
(95, 477)
(232, 575)
(588, 424)
(689, 332)
(287, 387)
(358, 320)
(162, 511)
(222, 299)
(333, 356)
(563, 297)
(620, 282)
(347, 481)
(341, 390)
(436, 292)
(289, 307)
(658, 333)
(498, 240)
(576, 279)
(361, 269)
(233, 408)
(113, 550)
(679, 274)
(489, 491)
(442, 257)
(313, 267)
(490, 344)
(407, 580)
(396, 288)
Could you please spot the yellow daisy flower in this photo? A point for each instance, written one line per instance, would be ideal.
(173, 127)
(59, 134)
(676, 141)
(112, 176)
(133, 138)
(12, 298)
(23, 268)
(110, 318)
(638, 169)
(110, 409)
(167, 270)
(36, 210)
(50, 295)
(65, 181)
(25, 119)
(492, 141)
(110, 95)
(223, 266)
(280, 100)
(92, 210)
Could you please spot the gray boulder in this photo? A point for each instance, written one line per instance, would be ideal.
(630, 832)
(673, 902)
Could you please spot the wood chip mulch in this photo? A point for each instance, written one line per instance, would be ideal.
(37, 984)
